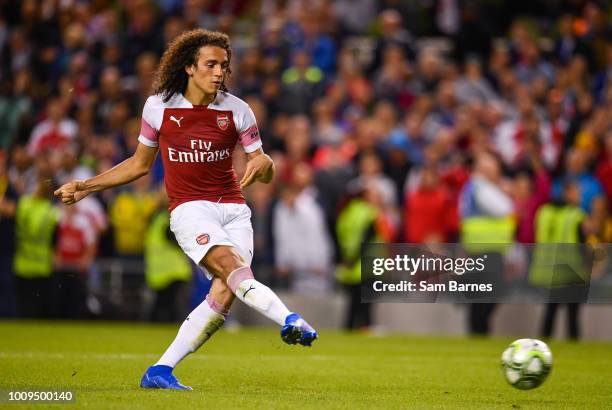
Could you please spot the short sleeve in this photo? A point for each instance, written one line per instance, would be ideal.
(150, 123)
(248, 133)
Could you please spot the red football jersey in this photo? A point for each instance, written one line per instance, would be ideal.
(75, 234)
(196, 144)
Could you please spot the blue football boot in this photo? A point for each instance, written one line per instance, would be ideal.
(297, 330)
(161, 377)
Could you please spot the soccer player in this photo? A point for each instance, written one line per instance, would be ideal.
(195, 123)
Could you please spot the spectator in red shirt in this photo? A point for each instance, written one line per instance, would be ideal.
(74, 254)
(532, 188)
(55, 131)
(604, 168)
(429, 213)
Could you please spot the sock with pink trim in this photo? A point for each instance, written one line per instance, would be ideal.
(197, 328)
(257, 295)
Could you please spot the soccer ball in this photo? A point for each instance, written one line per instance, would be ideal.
(526, 363)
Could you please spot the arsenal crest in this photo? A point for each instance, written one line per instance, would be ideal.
(223, 121)
(203, 239)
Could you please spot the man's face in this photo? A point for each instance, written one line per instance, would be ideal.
(572, 194)
(210, 69)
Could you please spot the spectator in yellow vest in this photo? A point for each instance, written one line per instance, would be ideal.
(166, 268)
(362, 220)
(487, 227)
(36, 222)
(130, 213)
(560, 222)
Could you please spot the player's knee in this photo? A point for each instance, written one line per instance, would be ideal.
(223, 261)
(228, 263)
(222, 295)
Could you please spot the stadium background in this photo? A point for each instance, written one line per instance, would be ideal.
(397, 99)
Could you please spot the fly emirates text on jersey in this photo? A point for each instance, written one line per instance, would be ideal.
(200, 152)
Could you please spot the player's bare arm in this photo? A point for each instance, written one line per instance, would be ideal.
(127, 171)
(260, 167)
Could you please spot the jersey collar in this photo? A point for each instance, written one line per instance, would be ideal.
(214, 102)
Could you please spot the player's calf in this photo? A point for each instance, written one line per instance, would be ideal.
(257, 295)
(260, 297)
(197, 328)
(226, 263)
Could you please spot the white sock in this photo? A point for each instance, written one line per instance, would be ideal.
(257, 295)
(197, 328)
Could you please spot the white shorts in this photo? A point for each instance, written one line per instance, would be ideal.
(200, 225)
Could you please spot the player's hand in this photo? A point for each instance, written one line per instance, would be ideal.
(259, 168)
(71, 192)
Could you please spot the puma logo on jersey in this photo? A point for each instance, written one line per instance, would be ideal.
(178, 122)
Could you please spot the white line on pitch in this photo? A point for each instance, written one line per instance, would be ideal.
(138, 356)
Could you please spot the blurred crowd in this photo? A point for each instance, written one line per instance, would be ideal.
(396, 121)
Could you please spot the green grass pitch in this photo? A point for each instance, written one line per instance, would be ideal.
(102, 363)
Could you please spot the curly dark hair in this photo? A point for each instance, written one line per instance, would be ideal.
(182, 52)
